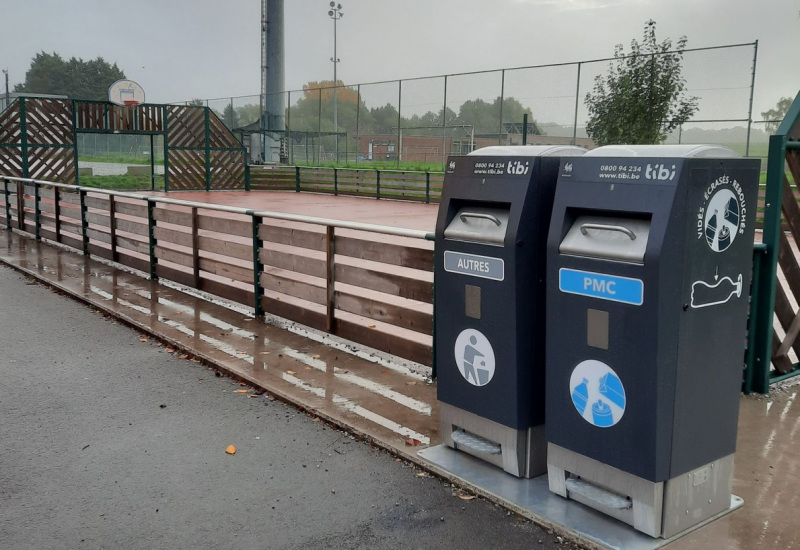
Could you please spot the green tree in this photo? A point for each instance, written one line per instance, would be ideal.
(230, 117)
(775, 116)
(76, 78)
(642, 98)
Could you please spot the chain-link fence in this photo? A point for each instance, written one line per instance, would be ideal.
(421, 121)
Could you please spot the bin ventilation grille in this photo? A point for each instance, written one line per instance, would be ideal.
(603, 497)
(475, 442)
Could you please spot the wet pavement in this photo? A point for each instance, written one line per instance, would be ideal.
(391, 404)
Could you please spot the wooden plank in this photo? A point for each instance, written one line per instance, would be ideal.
(389, 283)
(313, 240)
(225, 248)
(131, 244)
(279, 282)
(131, 209)
(174, 256)
(390, 343)
(136, 228)
(782, 364)
(173, 236)
(223, 269)
(93, 201)
(789, 265)
(225, 225)
(293, 262)
(168, 215)
(785, 315)
(98, 219)
(310, 318)
(388, 313)
(132, 261)
(74, 242)
(95, 235)
(70, 198)
(238, 295)
(416, 258)
(172, 274)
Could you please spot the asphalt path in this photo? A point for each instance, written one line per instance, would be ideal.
(110, 442)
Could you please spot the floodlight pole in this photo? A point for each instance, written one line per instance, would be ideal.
(8, 96)
(335, 13)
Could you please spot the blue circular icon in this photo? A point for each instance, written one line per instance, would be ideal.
(597, 393)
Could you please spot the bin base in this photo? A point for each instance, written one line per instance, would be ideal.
(663, 509)
(519, 452)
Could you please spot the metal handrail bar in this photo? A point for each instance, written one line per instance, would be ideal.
(328, 222)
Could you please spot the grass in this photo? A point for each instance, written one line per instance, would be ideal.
(379, 165)
(120, 159)
(123, 182)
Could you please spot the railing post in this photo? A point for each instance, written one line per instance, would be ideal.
(37, 214)
(378, 183)
(84, 222)
(195, 250)
(20, 206)
(427, 187)
(297, 179)
(330, 275)
(335, 181)
(750, 354)
(258, 290)
(112, 229)
(246, 174)
(208, 148)
(57, 212)
(164, 117)
(7, 203)
(151, 233)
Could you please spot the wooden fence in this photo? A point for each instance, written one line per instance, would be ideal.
(369, 284)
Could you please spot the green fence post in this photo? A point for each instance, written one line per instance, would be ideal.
(750, 354)
(246, 175)
(297, 179)
(427, 187)
(75, 143)
(166, 147)
(378, 183)
(151, 233)
(7, 195)
(37, 212)
(335, 181)
(258, 290)
(23, 128)
(84, 222)
(769, 270)
(208, 148)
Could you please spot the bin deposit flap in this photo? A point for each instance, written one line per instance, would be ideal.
(608, 238)
(479, 224)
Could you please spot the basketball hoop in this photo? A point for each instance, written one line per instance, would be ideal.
(126, 92)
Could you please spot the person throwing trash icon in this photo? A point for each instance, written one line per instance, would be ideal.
(471, 354)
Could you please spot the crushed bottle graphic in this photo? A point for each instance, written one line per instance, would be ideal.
(580, 396)
(611, 389)
(712, 294)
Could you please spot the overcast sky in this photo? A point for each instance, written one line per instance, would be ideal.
(183, 49)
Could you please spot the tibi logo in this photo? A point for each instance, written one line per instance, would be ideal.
(568, 168)
(452, 166)
(659, 172)
(516, 167)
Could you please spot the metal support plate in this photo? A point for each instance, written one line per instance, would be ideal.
(534, 496)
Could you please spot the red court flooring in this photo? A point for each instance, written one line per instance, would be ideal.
(405, 214)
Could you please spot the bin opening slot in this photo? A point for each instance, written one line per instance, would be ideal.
(479, 224)
(475, 442)
(607, 237)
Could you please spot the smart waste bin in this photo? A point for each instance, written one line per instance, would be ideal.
(490, 250)
(649, 265)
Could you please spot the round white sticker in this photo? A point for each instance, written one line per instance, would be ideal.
(597, 393)
(722, 220)
(474, 357)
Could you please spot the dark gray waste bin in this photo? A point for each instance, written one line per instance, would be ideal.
(490, 250)
(649, 264)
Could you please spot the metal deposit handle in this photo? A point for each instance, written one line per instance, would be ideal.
(621, 228)
(479, 215)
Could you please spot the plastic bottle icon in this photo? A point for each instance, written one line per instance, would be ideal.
(611, 388)
(601, 414)
(706, 294)
(580, 396)
(731, 214)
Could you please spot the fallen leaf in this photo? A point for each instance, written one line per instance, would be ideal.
(201, 378)
(384, 371)
(169, 350)
(421, 474)
(316, 419)
(308, 368)
(241, 353)
(241, 391)
(184, 356)
(143, 339)
(291, 372)
(412, 442)
(467, 497)
(412, 383)
(243, 384)
(230, 449)
(315, 356)
(371, 326)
